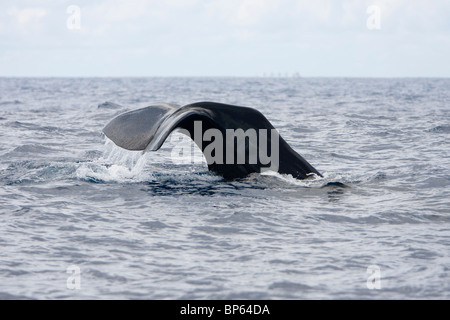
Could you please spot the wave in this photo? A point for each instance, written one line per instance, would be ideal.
(440, 129)
(32, 126)
(13, 102)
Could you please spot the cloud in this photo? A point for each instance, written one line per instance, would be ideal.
(249, 12)
(27, 19)
(227, 36)
(27, 15)
(118, 10)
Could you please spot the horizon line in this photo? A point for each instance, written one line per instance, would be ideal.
(292, 76)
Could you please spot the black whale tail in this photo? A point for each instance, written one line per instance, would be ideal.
(235, 141)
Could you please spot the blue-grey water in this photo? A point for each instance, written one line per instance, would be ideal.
(81, 218)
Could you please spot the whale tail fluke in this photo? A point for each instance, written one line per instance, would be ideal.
(235, 141)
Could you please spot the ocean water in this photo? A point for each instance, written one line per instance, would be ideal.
(81, 218)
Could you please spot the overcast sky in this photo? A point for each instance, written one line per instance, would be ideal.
(384, 38)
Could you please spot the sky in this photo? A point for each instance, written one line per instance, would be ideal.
(138, 38)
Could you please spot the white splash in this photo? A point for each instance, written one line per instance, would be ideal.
(116, 165)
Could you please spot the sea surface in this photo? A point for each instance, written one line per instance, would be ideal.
(81, 218)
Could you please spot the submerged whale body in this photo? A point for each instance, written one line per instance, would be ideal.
(236, 141)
